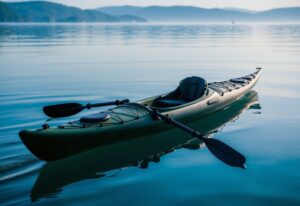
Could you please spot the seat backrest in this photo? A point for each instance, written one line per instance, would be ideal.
(192, 88)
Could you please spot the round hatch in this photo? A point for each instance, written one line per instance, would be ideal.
(95, 118)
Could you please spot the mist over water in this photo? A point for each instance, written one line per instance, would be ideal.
(42, 64)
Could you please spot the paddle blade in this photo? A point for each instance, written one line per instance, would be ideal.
(63, 110)
(225, 153)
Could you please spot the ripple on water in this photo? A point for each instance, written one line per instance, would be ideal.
(16, 166)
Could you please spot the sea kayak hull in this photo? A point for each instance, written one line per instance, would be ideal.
(57, 143)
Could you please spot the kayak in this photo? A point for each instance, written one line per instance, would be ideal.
(193, 99)
(98, 162)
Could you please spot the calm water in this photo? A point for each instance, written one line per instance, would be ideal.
(43, 64)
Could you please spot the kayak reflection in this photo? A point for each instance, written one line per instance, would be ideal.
(138, 152)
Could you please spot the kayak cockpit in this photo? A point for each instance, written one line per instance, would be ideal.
(189, 89)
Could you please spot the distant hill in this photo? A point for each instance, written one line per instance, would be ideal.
(241, 10)
(176, 13)
(282, 14)
(6, 14)
(42, 11)
(189, 13)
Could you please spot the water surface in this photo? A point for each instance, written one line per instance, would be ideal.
(44, 64)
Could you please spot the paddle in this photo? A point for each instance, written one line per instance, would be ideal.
(69, 109)
(219, 149)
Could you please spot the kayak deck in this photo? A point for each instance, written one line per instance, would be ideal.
(233, 84)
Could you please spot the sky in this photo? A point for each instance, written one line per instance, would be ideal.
(258, 5)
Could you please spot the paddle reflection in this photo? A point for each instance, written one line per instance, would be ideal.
(137, 152)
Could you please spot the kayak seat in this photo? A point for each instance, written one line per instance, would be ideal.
(95, 118)
(189, 89)
(192, 88)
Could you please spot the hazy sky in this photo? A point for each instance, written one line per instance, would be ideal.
(246, 4)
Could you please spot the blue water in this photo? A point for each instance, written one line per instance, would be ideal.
(43, 64)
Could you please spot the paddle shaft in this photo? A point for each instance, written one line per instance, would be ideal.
(117, 102)
(179, 125)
